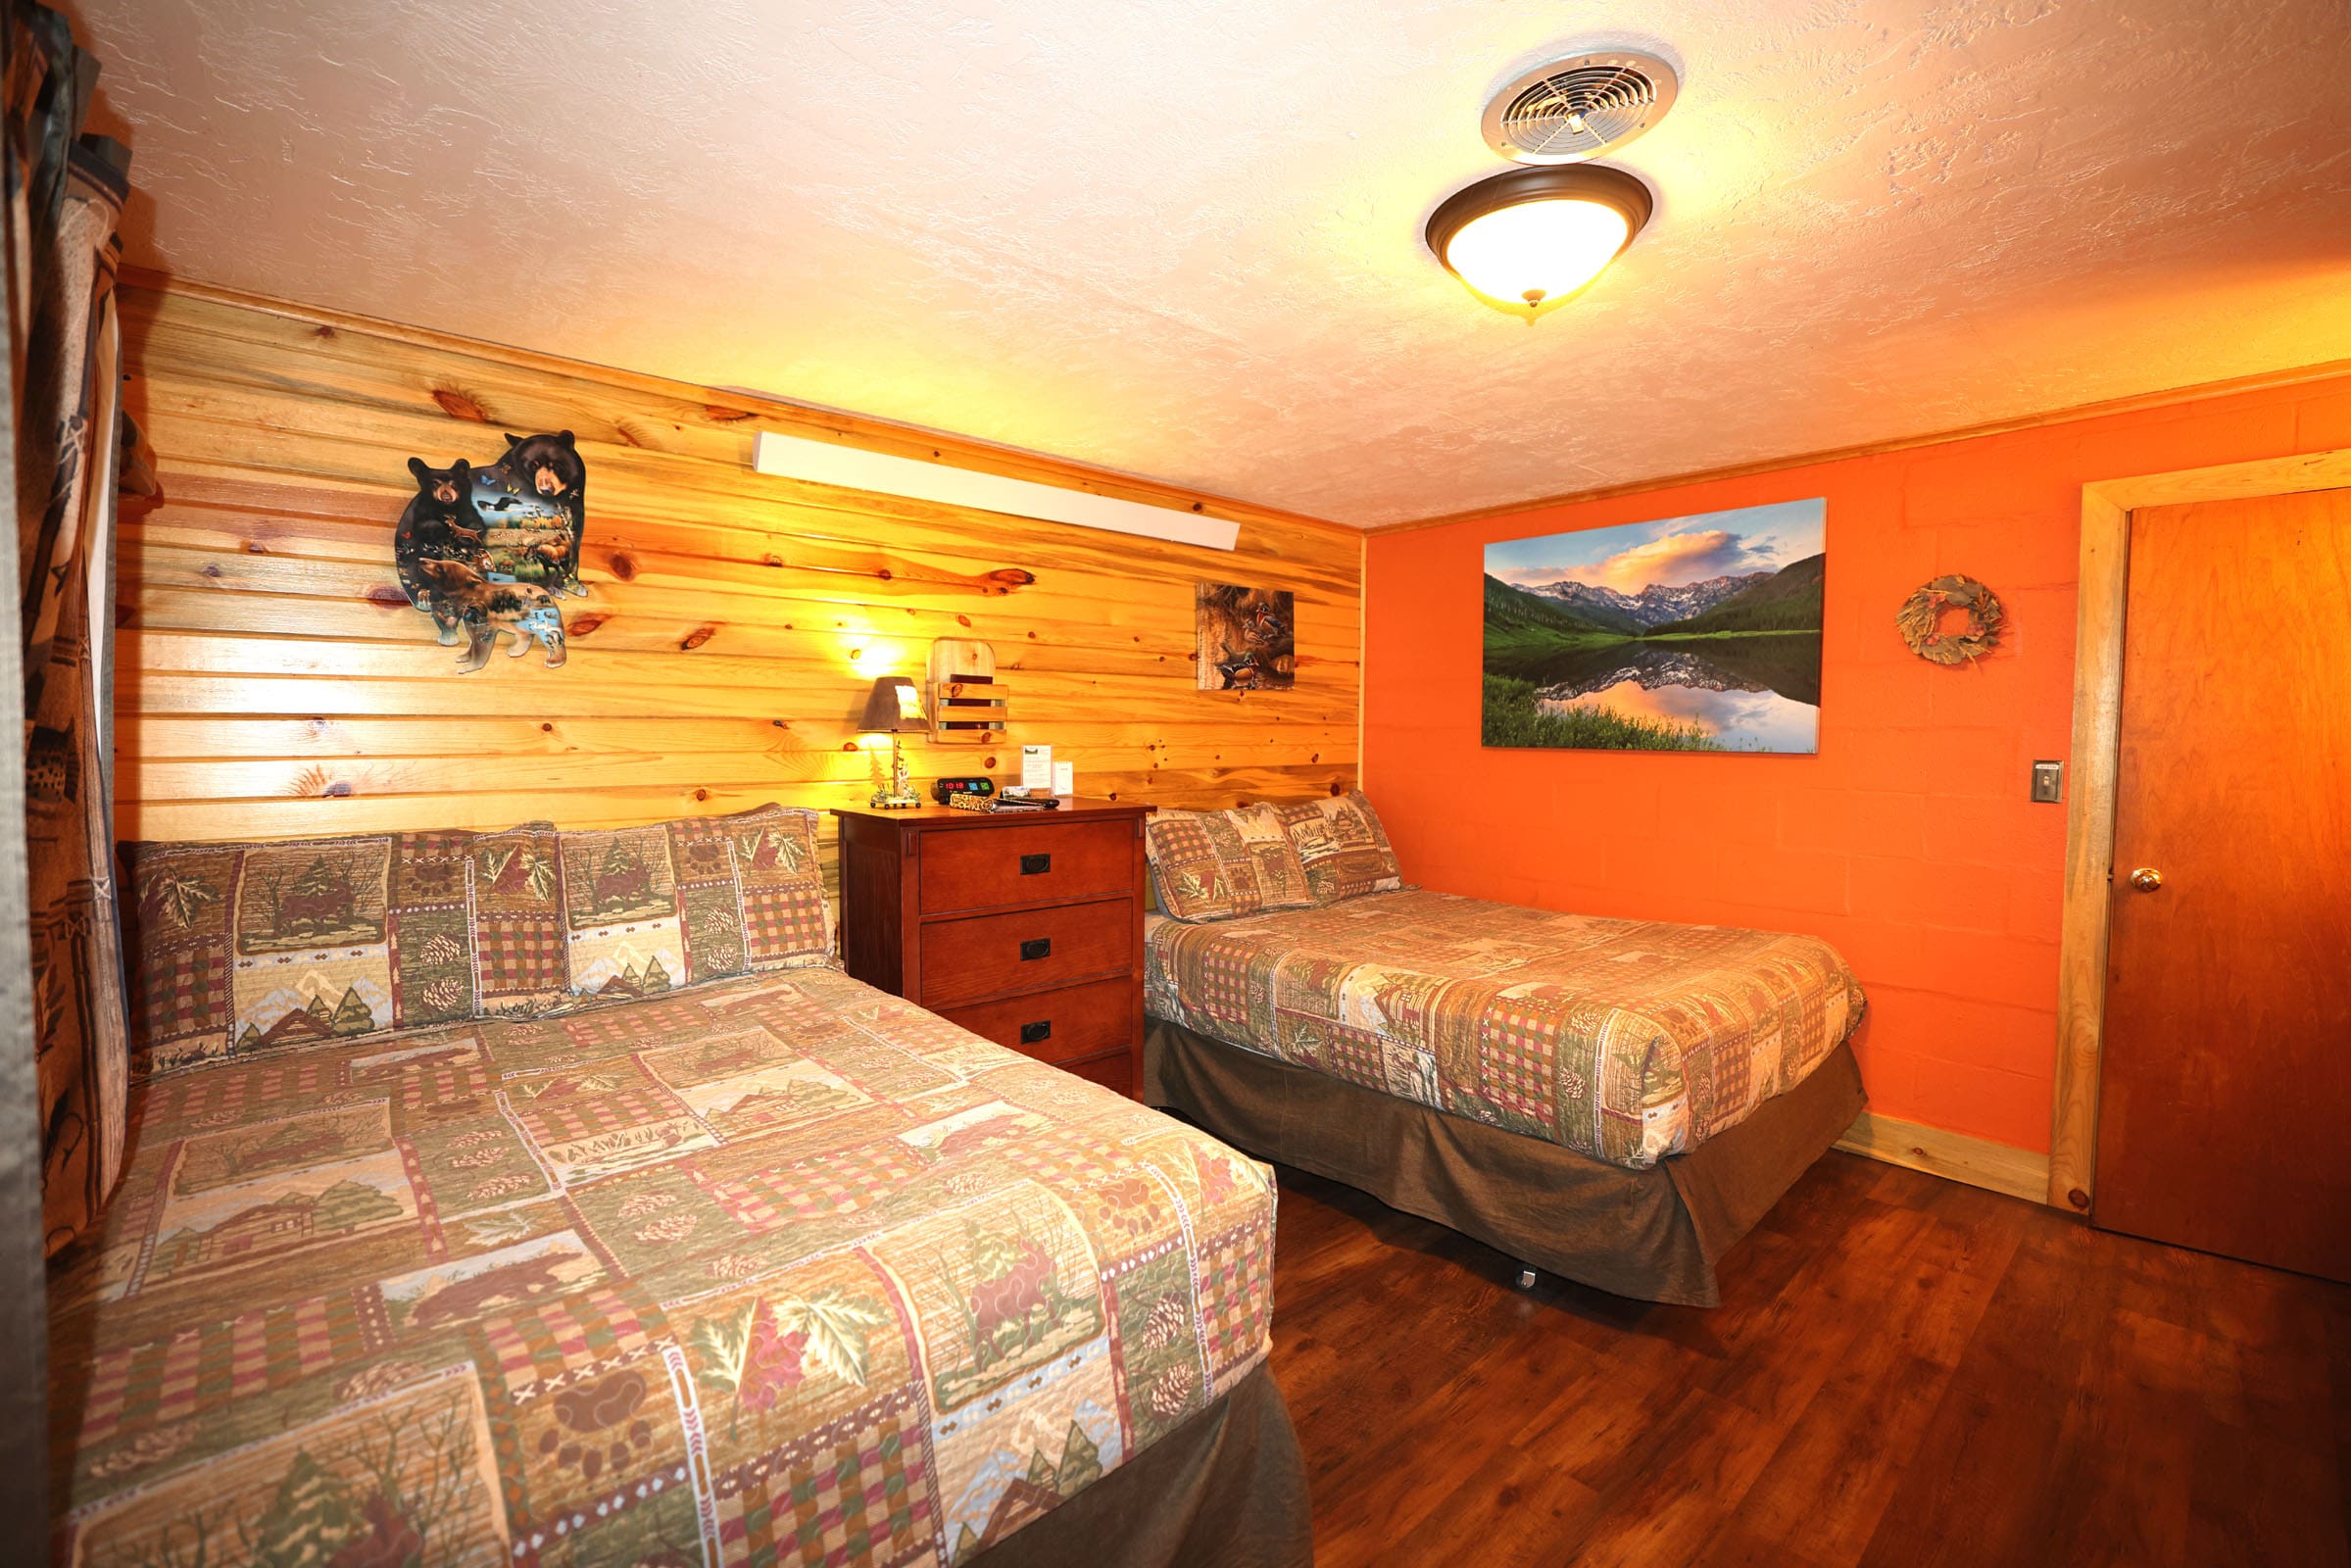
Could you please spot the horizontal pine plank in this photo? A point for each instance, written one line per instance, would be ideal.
(272, 680)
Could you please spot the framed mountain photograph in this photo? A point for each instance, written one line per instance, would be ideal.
(1689, 634)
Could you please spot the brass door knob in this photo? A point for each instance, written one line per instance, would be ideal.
(2146, 879)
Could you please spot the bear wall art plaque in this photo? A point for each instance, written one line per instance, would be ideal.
(488, 549)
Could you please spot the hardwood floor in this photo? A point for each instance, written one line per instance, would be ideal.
(1903, 1371)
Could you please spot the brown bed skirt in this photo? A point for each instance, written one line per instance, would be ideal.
(1654, 1235)
(1225, 1489)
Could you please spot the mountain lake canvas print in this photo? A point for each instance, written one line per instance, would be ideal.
(1689, 634)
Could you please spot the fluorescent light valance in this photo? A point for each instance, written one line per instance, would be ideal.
(792, 456)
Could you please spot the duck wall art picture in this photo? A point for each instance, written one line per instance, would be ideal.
(1691, 634)
(491, 550)
(1247, 638)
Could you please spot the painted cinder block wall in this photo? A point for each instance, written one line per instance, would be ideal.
(1909, 841)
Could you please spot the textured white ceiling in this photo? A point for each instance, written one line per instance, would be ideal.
(1182, 238)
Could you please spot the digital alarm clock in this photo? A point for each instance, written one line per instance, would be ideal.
(941, 789)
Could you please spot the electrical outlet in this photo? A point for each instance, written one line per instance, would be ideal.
(2048, 782)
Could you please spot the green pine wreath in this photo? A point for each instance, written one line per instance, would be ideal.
(1920, 620)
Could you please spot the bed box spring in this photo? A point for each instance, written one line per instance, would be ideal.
(777, 1269)
(1655, 1234)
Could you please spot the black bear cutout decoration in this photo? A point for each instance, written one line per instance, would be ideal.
(488, 549)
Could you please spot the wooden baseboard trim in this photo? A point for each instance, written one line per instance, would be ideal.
(1976, 1161)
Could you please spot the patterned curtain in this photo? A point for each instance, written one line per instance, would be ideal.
(66, 193)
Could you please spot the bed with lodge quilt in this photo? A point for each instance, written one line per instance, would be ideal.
(1617, 1102)
(545, 1198)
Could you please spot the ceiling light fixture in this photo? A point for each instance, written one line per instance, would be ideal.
(1527, 241)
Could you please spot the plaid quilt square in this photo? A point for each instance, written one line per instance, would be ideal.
(1518, 1058)
(787, 919)
(1236, 1296)
(863, 1496)
(784, 926)
(519, 957)
(674, 1020)
(180, 1006)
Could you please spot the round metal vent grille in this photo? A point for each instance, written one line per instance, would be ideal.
(1576, 109)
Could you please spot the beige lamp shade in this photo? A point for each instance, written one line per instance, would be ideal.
(893, 707)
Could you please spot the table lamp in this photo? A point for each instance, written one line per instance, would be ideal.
(894, 707)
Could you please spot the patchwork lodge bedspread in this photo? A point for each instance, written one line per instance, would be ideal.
(779, 1270)
(1620, 1039)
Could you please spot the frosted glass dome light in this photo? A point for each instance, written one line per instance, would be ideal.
(1525, 241)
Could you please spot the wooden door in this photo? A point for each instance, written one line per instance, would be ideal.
(2224, 1095)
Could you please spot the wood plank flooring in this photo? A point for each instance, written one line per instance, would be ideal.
(1904, 1372)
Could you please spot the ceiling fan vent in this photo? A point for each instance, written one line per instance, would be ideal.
(1579, 108)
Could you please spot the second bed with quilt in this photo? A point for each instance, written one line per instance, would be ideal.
(1615, 1101)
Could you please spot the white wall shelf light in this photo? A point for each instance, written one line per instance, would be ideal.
(792, 456)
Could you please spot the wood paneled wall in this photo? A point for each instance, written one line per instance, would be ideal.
(273, 679)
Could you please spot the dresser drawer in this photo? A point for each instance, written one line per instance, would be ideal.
(1080, 1020)
(1035, 863)
(1114, 1073)
(1027, 949)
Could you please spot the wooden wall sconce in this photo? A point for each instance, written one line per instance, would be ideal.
(967, 703)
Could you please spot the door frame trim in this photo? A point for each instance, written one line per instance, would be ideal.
(2104, 584)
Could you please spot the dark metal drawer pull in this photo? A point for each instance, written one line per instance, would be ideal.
(1037, 947)
(1032, 865)
(1032, 1033)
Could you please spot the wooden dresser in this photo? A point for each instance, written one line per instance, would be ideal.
(1025, 927)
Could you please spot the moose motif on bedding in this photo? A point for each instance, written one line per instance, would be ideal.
(485, 550)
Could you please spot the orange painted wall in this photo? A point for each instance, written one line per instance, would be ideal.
(1908, 841)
